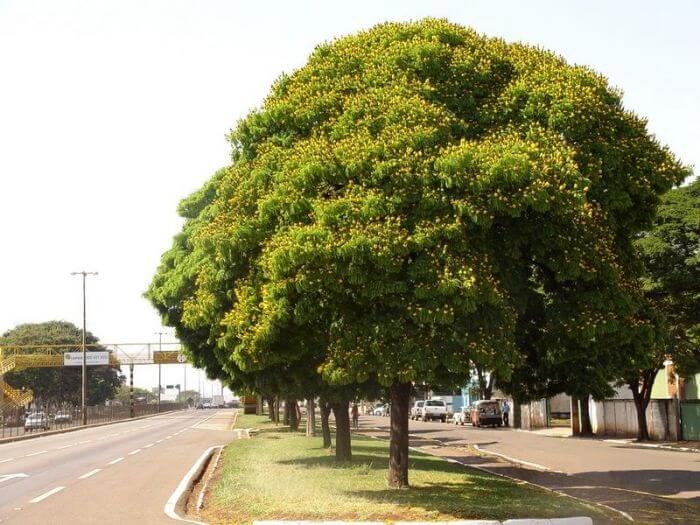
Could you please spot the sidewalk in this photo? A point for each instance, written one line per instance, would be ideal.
(565, 432)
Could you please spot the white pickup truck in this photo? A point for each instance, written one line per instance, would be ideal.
(434, 409)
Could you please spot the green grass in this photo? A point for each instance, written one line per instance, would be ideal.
(253, 421)
(283, 475)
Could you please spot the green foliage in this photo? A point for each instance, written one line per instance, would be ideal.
(670, 252)
(60, 385)
(141, 395)
(416, 198)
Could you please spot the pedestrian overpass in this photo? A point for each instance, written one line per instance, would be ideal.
(14, 358)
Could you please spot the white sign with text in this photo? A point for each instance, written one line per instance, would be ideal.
(93, 358)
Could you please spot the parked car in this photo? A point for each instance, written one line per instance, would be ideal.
(462, 416)
(381, 410)
(416, 411)
(36, 421)
(62, 416)
(434, 409)
(486, 412)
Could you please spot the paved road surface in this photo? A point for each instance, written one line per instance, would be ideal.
(116, 474)
(617, 474)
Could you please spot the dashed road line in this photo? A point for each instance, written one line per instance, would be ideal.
(134, 451)
(36, 453)
(149, 445)
(46, 495)
(115, 461)
(91, 473)
(6, 460)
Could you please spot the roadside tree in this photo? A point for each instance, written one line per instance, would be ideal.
(670, 251)
(416, 198)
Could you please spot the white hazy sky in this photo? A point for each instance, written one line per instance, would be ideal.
(113, 111)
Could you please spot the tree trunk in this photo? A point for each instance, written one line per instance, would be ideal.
(641, 406)
(343, 451)
(285, 413)
(310, 417)
(271, 408)
(575, 423)
(586, 428)
(277, 410)
(325, 426)
(517, 415)
(398, 438)
(489, 386)
(292, 408)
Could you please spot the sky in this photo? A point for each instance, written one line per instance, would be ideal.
(111, 112)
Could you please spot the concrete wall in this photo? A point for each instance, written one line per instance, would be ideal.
(618, 418)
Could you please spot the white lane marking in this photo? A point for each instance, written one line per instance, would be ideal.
(66, 446)
(46, 495)
(36, 453)
(83, 442)
(134, 451)
(159, 441)
(168, 437)
(6, 460)
(7, 477)
(91, 473)
(149, 445)
(115, 461)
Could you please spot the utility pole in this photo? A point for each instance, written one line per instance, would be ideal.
(160, 349)
(84, 365)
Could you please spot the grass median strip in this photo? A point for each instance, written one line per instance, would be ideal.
(284, 475)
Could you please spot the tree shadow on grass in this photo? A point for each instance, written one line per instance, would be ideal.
(485, 497)
(374, 458)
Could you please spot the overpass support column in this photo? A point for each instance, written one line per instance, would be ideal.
(131, 389)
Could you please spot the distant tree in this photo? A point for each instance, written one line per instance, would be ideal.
(416, 198)
(188, 396)
(670, 252)
(123, 395)
(61, 384)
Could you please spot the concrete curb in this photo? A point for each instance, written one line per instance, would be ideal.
(632, 443)
(24, 437)
(176, 503)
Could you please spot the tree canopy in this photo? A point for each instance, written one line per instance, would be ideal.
(418, 197)
(670, 252)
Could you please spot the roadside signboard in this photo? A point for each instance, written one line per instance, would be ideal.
(92, 358)
(168, 357)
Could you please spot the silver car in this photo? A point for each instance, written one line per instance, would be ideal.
(36, 421)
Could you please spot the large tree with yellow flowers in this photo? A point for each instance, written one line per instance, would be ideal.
(416, 198)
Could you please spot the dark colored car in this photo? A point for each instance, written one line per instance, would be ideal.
(486, 412)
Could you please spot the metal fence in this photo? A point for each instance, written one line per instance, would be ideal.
(690, 419)
(17, 421)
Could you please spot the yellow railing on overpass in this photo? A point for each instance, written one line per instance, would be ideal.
(15, 358)
(14, 396)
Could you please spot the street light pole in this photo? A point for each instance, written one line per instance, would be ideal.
(160, 349)
(83, 367)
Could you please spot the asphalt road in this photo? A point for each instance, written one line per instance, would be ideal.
(122, 473)
(656, 485)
